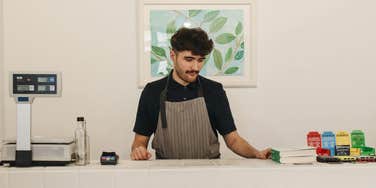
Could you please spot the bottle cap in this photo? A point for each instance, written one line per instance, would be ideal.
(80, 119)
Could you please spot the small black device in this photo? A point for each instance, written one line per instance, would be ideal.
(109, 158)
(328, 159)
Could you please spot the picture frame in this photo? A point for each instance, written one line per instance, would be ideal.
(229, 23)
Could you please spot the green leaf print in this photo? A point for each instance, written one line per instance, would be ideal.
(158, 51)
(193, 13)
(231, 70)
(217, 24)
(218, 61)
(211, 15)
(239, 55)
(171, 27)
(228, 55)
(224, 38)
(239, 28)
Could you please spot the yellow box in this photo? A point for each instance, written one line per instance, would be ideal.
(342, 138)
(354, 151)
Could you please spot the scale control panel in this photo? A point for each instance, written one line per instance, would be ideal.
(35, 84)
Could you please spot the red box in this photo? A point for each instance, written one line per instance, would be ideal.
(314, 139)
(323, 151)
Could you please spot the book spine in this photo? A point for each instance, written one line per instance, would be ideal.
(275, 156)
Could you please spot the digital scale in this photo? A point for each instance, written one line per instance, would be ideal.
(45, 152)
(26, 151)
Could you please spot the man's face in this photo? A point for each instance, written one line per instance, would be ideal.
(186, 65)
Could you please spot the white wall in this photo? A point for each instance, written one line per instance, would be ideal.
(315, 69)
(1, 73)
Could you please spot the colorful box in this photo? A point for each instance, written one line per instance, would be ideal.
(342, 138)
(329, 141)
(314, 139)
(357, 139)
(367, 151)
(355, 151)
(343, 150)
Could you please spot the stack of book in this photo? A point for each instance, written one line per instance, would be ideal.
(294, 155)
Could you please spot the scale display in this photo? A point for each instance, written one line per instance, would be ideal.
(34, 83)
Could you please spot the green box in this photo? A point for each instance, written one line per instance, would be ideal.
(357, 139)
(366, 151)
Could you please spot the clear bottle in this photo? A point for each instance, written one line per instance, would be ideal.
(87, 146)
(82, 142)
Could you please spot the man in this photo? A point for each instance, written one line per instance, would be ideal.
(184, 110)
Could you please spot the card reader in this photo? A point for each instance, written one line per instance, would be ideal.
(109, 158)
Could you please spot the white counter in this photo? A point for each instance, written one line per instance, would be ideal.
(192, 173)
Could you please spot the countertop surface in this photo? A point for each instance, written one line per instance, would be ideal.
(189, 164)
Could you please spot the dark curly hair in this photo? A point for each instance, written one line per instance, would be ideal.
(195, 40)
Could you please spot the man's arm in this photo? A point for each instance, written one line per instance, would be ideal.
(139, 148)
(241, 147)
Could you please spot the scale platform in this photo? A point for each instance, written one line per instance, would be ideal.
(45, 152)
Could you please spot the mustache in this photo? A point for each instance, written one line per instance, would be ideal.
(192, 71)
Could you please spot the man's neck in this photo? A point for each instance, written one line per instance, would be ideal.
(176, 77)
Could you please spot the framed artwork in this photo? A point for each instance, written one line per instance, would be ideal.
(229, 23)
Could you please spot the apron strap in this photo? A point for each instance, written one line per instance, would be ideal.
(200, 90)
(163, 99)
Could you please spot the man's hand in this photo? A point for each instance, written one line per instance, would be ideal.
(264, 154)
(140, 153)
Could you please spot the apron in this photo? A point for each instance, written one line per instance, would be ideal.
(184, 130)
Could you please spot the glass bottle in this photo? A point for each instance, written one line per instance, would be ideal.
(81, 140)
(87, 146)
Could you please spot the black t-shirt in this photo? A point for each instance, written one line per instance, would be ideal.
(215, 98)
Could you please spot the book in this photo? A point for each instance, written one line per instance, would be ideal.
(296, 160)
(294, 151)
(294, 155)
